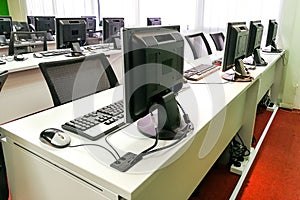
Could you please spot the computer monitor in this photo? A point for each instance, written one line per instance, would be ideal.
(31, 23)
(271, 36)
(235, 50)
(153, 66)
(254, 41)
(22, 27)
(45, 23)
(30, 20)
(111, 30)
(153, 21)
(5, 26)
(70, 33)
(90, 23)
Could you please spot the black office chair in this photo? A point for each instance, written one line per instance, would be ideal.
(218, 39)
(199, 45)
(3, 77)
(78, 77)
(17, 46)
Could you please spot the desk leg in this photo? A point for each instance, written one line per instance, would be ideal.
(277, 87)
(247, 129)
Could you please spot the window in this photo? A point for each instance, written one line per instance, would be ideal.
(217, 13)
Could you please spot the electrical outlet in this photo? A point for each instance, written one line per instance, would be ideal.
(126, 162)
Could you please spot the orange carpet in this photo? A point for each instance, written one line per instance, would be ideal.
(274, 173)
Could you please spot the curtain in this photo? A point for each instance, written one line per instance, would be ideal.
(217, 13)
(193, 15)
(62, 8)
(171, 12)
(120, 8)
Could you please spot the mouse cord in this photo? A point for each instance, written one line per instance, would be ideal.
(111, 146)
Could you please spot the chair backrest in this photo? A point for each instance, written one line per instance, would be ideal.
(199, 45)
(218, 39)
(75, 78)
(17, 46)
(3, 77)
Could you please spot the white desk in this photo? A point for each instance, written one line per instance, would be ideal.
(218, 111)
(25, 90)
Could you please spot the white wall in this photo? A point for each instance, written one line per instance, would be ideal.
(290, 40)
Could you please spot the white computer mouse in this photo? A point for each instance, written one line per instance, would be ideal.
(55, 137)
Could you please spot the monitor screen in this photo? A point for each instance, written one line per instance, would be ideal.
(5, 26)
(45, 23)
(153, 66)
(271, 36)
(70, 32)
(235, 50)
(111, 28)
(254, 41)
(153, 21)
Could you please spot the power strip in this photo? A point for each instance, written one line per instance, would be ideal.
(271, 106)
(239, 170)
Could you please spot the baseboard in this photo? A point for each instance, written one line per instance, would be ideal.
(286, 106)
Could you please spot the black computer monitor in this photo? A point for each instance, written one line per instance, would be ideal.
(90, 23)
(70, 33)
(153, 21)
(22, 27)
(45, 23)
(271, 36)
(5, 26)
(153, 66)
(254, 41)
(111, 29)
(235, 50)
(30, 20)
(31, 23)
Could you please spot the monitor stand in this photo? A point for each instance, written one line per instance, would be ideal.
(166, 114)
(241, 73)
(274, 49)
(49, 37)
(76, 51)
(257, 59)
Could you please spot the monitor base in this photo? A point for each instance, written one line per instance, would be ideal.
(256, 64)
(146, 127)
(273, 51)
(234, 77)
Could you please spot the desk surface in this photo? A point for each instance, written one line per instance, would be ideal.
(203, 102)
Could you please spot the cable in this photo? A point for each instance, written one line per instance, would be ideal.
(189, 126)
(111, 146)
(97, 145)
(238, 151)
(246, 151)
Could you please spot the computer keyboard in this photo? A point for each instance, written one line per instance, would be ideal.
(98, 123)
(56, 52)
(197, 73)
